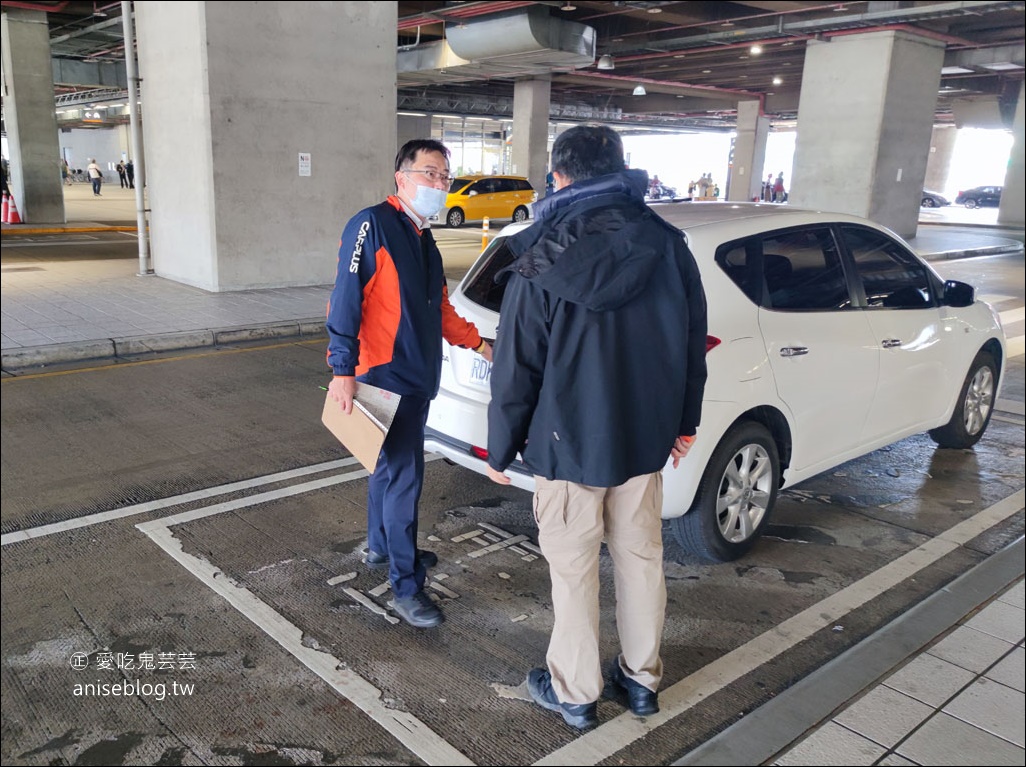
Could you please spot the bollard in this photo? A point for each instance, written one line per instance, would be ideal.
(484, 234)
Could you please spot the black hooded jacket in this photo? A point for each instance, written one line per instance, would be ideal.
(599, 360)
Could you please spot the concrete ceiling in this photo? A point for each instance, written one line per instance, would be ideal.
(695, 58)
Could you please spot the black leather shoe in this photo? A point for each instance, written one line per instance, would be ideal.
(583, 716)
(419, 611)
(376, 560)
(643, 701)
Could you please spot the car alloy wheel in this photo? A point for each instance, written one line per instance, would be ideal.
(971, 203)
(520, 214)
(929, 203)
(735, 497)
(454, 218)
(975, 404)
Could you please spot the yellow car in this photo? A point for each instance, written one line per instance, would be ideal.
(473, 198)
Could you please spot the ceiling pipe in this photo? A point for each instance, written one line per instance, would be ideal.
(37, 6)
(464, 11)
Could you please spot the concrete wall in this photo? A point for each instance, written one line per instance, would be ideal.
(1013, 197)
(29, 117)
(108, 145)
(864, 123)
(938, 165)
(234, 91)
(530, 156)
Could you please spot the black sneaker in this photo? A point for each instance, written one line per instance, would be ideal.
(643, 701)
(419, 611)
(583, 716)
(376, 560)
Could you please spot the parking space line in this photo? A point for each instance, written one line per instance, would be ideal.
(1010, 406)
(407, 729)
(163, 503)
(608, 738)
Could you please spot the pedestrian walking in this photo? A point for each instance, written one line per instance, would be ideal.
(95, 176)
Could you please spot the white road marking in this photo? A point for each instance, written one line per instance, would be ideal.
(608, 738)
(1006, 419)
(590, 748)
(1013, 315)
(1010, 406)
(163, 503)
(407, 729)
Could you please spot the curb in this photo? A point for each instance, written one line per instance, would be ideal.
(127, 347)
(68, 230)
(989, 250)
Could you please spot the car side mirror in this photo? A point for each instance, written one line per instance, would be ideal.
(472, 193)
(958, 294)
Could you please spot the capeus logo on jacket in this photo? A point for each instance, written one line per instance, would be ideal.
(354, 261)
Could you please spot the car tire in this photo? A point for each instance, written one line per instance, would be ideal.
(455, 218)
(971, 203)
(974, 407)
(928, 203)
(735, 497)
(520, 214)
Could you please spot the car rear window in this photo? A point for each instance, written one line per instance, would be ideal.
(480, 286)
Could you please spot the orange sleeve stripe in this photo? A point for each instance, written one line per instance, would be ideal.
(456, 330)
(382, 310)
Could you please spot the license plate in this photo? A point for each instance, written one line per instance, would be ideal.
(480, 373)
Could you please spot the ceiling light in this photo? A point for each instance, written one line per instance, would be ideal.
(755, 49)
(840, 7)
(606, 62)
(639, 90)
(706, 71)
(778, 80)
(568, 6)
(654, 9)
(727, 23)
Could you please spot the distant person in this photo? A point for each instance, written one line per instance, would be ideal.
(4, 169)
(95, 176)
(65, 172)
(122, 175)
(767, 188)
(549, 184)
(778, 188)
(604, 306)
(130, 174)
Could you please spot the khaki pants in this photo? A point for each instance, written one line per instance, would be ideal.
(572, 521)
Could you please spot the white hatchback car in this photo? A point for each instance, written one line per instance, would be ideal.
(828, 338)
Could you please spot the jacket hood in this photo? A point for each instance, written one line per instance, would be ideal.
(593, 242)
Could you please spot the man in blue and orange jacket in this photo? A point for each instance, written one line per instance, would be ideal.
(387, 316)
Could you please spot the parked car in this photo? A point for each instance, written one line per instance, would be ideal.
(828, 338)
(934, 200)
(980, 197)
(474, 198)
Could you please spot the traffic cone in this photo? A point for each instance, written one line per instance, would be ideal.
(6, 208)
(12, 212)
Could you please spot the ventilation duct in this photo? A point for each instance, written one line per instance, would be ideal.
(517, 44)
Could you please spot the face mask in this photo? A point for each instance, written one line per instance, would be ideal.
(429, 200)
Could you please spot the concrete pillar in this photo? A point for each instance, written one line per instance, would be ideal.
(30, 119)
(745, 182)
(410, 127)
(531, 98)
(942, 147)
(1013, 196)
(265, 131)
(864, 121)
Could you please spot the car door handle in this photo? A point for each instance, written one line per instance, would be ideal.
(890, 343)
(793, 351)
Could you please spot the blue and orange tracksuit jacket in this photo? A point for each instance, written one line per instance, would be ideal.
(390, 306)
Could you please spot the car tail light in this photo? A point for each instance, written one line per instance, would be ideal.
(479, 452)
(711, 342)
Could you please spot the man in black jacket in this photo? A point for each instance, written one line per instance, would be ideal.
(599, 371)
